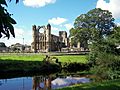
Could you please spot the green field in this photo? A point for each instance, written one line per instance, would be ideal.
(40, 57)
(24, 57)
(106, 85)
(72, 58)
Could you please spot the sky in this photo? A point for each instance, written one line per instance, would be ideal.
(61, 14)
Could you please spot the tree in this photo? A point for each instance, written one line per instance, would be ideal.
(98, 27)
(96, 22)
(6, 21)
(2, 44)
(92, 27)
(105, 56)
(73, 32)
(81, 35)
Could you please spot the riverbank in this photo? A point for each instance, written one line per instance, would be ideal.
(105, 85)
(15, 64)
(15, 68)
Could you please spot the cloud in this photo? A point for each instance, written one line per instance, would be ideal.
(118, 24)
(68, 26)
(57, 21)
(20, 33)
(38, 3)
(113, 6)
(54, 28)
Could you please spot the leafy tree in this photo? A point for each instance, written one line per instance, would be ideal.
(97, 18)
(73, 37)
(98, 27)
(2, 44)
(97, 23)
(80, 31)
(6, 21)
(105, 56)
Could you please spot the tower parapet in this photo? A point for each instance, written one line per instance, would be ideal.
(34, 32)
(63, 37)
(48, 38)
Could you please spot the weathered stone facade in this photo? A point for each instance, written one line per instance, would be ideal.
(46, 42)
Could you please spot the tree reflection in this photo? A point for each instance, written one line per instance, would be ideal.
(41, 83)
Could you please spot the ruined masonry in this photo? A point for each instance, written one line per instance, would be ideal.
(47, 42)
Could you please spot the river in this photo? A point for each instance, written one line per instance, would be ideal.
(40, 82)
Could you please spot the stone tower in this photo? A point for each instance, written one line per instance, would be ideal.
(63, 37)
(48, 38)
(34, 32)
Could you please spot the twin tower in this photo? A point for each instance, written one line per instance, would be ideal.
(47, 42)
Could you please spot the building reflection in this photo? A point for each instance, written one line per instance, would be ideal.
(41, 83)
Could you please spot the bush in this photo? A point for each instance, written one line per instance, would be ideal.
(74, 67)
(106, 66)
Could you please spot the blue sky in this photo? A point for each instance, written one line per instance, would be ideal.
(59, 13)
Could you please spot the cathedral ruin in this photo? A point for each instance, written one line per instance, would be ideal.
(47, 42)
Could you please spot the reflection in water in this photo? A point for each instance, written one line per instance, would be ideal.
(23, 83)
(48, 83)
(3, 81)
(41, 83)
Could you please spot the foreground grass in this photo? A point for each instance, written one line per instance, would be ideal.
(40, 57)
(106, 85)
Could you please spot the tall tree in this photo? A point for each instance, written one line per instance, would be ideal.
(102, 20)
(96, 19)
(105, 56)
(98, 27)
(6, 21)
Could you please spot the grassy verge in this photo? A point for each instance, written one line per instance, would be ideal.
(72, 58)
(106, 85)
(22, 63)
(39, 57)
(24, 57)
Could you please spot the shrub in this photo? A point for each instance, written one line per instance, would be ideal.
(74, 67)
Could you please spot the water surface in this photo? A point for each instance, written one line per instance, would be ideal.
(23, 83)
(40, 82)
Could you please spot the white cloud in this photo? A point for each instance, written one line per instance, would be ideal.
(54, 28)
(20, 33)
(68, 26)
(38, 3)
(57, 21)
(118, 24)
(113, 6)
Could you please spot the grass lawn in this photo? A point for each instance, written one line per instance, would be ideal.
(106, 85)
(22, 57)
(72, 58)
(39, 57)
